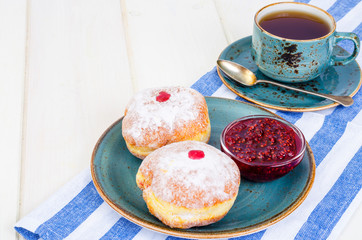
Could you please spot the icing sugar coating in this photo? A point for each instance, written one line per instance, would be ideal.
(175, 178)
(152, 123)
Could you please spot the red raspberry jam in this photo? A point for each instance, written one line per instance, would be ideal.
(264, 147)
(163, 96)
(196, 154)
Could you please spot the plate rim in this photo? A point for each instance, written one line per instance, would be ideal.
(289, 109)
(218, 234)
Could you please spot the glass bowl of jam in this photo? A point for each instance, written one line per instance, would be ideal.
(265, 148)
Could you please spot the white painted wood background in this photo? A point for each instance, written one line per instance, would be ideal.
(68, 67)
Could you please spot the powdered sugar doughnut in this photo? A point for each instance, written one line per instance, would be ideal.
(159, 116)
(188, 184)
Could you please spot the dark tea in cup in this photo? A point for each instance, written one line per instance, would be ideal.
(293, 42)
(295, 25)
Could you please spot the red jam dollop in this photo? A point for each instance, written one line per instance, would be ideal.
(163, 96)
(196, 154)
(264, 148)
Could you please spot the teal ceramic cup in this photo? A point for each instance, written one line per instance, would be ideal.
(291, 60)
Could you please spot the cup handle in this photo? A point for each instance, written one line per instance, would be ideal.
(339, 36)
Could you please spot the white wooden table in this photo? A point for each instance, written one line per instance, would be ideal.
(68, 67)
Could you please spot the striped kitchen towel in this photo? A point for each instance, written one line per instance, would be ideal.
(77, 211)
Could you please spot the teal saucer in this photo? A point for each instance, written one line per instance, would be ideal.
(258, 205)
(337, 80)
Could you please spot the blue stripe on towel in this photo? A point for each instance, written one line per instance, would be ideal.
(123, 229)
(27, 234)
(72, 215)
(303, 1)
(290, 117)
(175, 238)
(329, 211)
(241, 99)
(334, 126)
(341, 7)
(208, 83)
(253, 236)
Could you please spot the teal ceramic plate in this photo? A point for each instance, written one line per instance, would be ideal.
(257, 206)
(337, 80)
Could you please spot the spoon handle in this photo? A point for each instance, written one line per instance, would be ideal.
(344, 100)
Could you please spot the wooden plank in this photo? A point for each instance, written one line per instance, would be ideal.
(78, 84)
(237, 16)
(12, 71)
(172, 42)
